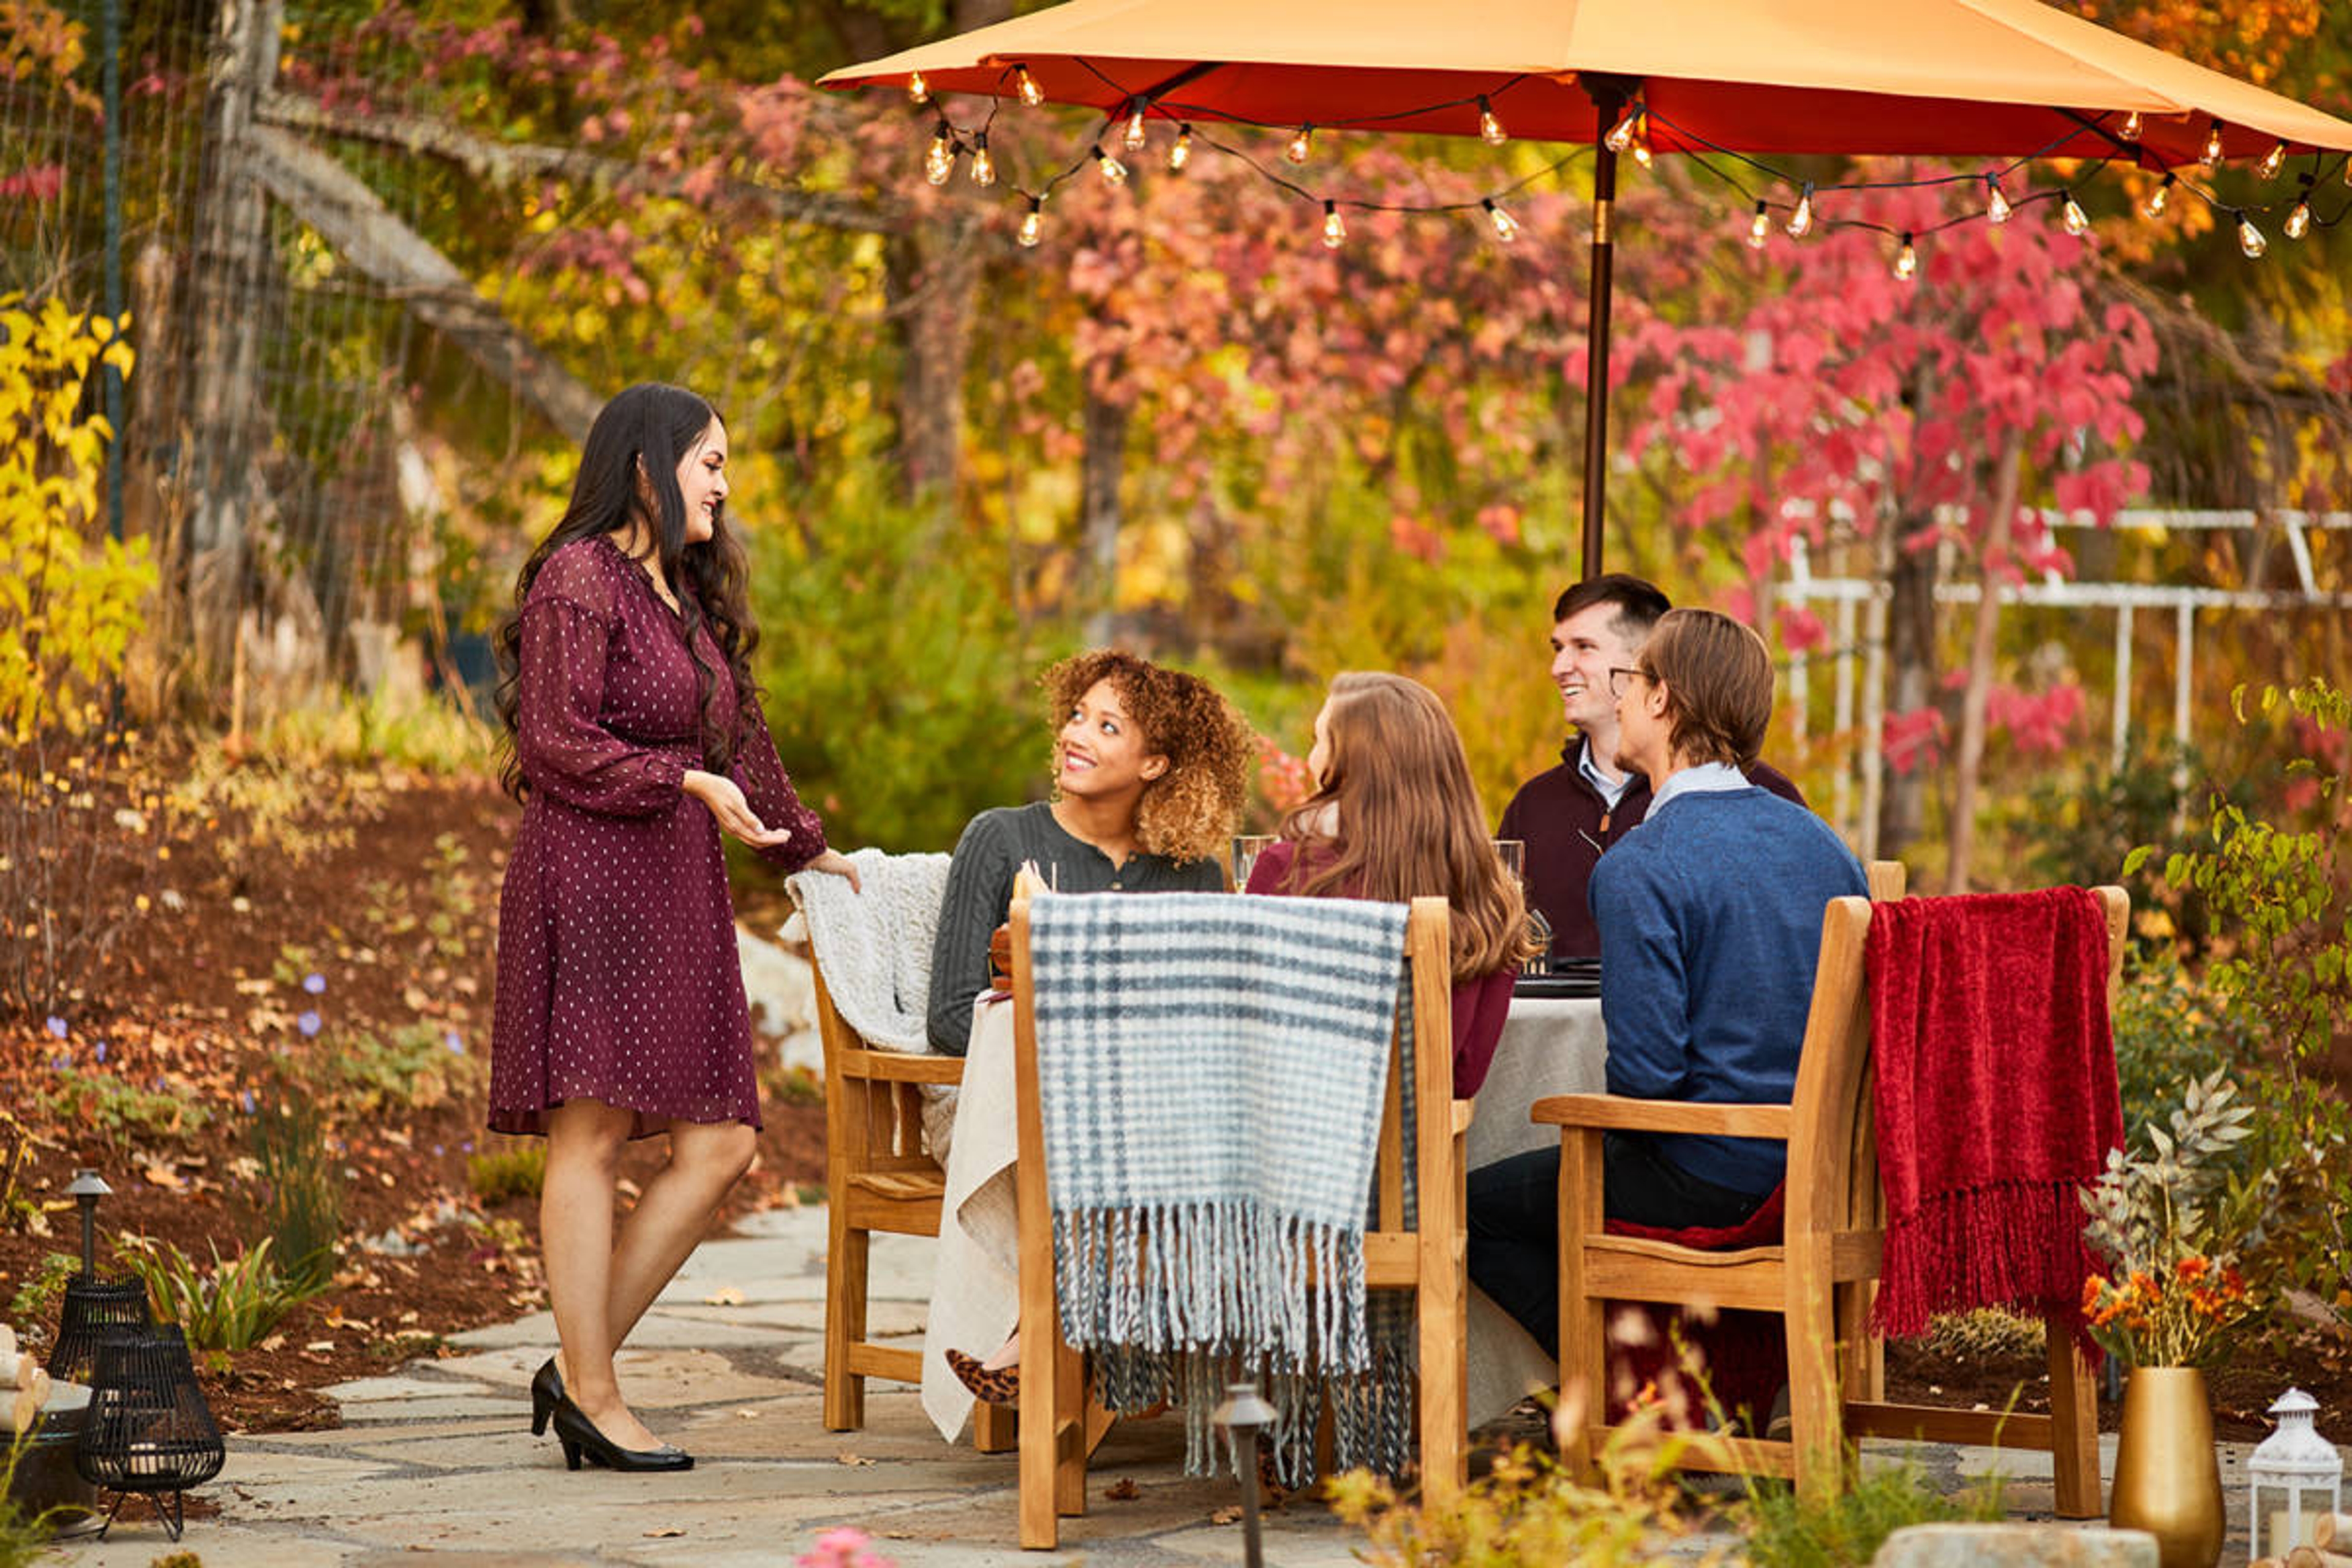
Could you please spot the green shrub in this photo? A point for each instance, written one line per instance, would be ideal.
(420, 1066)
(1847, 1530)
(300, 1208)
(517, 1169)
(230, 1307)
(36, 1299)
(118, 1107)
(23, 1538)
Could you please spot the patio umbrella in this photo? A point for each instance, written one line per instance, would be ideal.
(2009, 79)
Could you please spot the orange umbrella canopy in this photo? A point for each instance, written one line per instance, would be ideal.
(1959, 77)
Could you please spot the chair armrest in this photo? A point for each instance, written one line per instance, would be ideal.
(1619, 1114)
(901, 1067)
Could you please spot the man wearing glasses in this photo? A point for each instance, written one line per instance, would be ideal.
(1710, 916)
(1568, 815)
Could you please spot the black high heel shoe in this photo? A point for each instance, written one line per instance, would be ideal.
(546, 1394)
(582, 1440)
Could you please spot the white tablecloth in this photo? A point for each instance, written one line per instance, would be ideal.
(1548, 1047)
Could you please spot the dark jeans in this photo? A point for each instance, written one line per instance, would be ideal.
(1515, 1219)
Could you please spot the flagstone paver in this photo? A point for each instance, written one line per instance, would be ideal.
(434, 1463)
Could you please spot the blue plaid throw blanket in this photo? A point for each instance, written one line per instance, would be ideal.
(1212, 1071)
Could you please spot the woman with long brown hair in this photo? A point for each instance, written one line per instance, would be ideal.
(633, 738)
(1395, 817)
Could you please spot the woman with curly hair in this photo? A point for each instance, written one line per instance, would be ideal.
(1395, 817)
(1150, 769)
(633, 738)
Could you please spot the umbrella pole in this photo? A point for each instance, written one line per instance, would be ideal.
(1609, 105)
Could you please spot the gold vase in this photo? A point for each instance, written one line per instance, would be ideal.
(2167, 1481)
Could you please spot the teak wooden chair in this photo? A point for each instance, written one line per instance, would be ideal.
(1823, 1277)
(1059, 1428)
(878, 1178)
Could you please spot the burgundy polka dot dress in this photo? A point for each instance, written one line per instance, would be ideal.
(617, 974)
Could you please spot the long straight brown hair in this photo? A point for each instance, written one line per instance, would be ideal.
(1409, 822)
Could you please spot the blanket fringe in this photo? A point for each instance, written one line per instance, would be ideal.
(2017, 1245)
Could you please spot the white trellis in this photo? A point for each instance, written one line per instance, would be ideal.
(1865, 600)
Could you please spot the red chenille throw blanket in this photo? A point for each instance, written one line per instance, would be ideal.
(1996, 1099)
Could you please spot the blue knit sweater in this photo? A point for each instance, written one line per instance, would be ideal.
(1710, 917)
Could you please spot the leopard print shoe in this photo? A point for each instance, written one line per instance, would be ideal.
(998, 1386)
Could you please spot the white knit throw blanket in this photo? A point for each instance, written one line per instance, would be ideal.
(1212, 1071)
(874, 947)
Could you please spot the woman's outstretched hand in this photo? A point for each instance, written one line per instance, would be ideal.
(725, 799)
(839, 865)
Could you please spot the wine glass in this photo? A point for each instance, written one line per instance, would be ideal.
(1247, 847)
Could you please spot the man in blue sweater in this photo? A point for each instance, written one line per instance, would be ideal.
(1710, 922)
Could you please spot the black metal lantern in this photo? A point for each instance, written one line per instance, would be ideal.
(148, 1430)
(94, 1308)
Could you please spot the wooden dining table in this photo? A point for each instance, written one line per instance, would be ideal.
(1550, 1046)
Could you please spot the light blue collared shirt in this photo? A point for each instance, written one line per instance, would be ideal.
(1708, 778)
(1611, 789)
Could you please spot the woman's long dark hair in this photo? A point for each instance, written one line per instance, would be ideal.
(645, 433)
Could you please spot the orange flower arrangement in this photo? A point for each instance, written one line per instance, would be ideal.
(2170, 1318)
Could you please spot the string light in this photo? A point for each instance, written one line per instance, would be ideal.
(2272, 162)
(1026, 85)
(1760, 227)
(1906, 260)
(2157, 198)
(1490, 125)
(1620, 136)
(2212, 153)
(1642, 148)
(1335, 228)
(918, 91)
(1507, 227)
(1135, 130)
(1179, 151)
(2299, 222)
(1997, 208)
(984, 168)
(940, 162)
(2249, 238)
(1301, 145)
(1800, 222)
(1033, 223)
(2132, 127)
(2077, 220)
(1113, 171)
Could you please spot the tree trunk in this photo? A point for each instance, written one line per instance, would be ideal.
(933, 277)
(1970, 761)
(1911, 678)
(1104, 465)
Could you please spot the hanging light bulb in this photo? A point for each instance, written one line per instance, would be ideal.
(2132, 126)
(1301, 145)
(1135, 130)
(1179, 151)
(1026, 85)
(2157, 198)
(1642, 145)
(2212, 153)
(983, 167)
(2249, 238)
(1335, 228)
(1113, 172)
(1507, 227)
(1760, 227)
(1997, 208)
(918, 91)
(1490, 125)
(1620, 136)
(1033, 223)
(1800, 222)
(2077, 220)
(2299, 222)
(1906, 260)
(2272, 162)
(940, 162)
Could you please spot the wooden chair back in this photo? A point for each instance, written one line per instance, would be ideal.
(1425, 1252)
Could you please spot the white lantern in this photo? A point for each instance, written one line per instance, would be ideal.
(2297, 1460)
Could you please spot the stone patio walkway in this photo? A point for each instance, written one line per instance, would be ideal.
(435, 1462)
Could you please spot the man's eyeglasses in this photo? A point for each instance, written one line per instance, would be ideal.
(1617, 675)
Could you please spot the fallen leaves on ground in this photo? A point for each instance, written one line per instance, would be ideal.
(1123, 1490)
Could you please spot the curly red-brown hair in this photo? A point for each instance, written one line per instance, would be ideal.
(1190, 811)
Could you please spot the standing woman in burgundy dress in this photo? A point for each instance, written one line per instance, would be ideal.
(635, 735)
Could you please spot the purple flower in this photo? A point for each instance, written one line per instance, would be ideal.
(57, 1027)
(60, 1063)
(467, 1147)
(245, 1100)
(101, 1050)
(437, 1151)
(308, 1023)
(456, 1047)
(314, 983)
